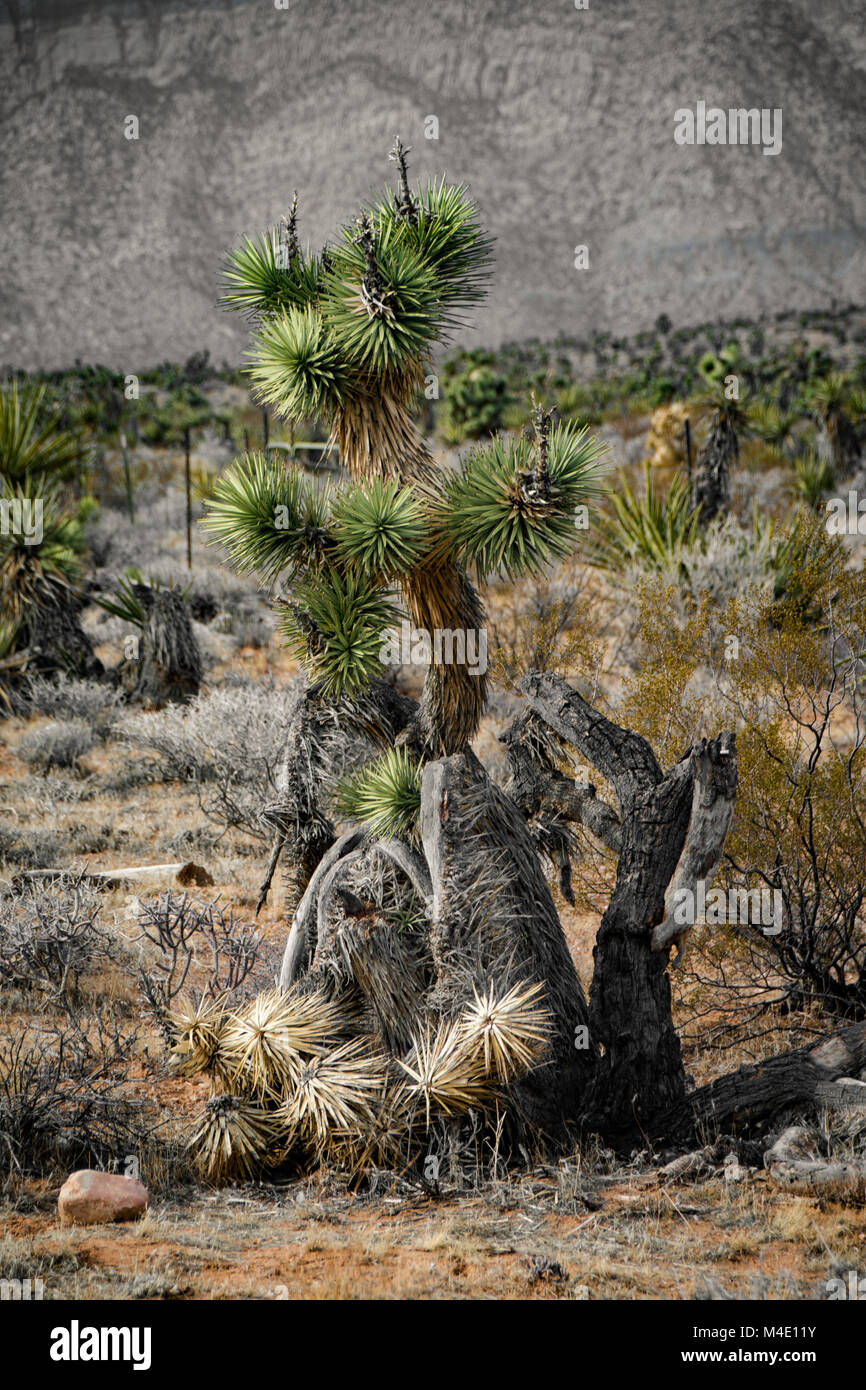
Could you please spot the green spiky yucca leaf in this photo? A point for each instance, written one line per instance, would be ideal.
(271, 520)
(335, 626)
(31, 568)
(499, 517)
(379, 528)
(298, 367)
(644, 529)
(258, 282)
(814, 477)
(32, 441)
(383, 316)
(385, 795)
(447, 236)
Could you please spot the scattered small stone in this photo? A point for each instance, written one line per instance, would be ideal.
(794, 1144)
(734, 1172)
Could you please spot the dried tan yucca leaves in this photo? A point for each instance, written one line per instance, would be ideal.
(197, 1038)
(337, 1092)
(511, 1033)
(232, 1138)
(446, 1070)
(386, 1139)
(265, 1044)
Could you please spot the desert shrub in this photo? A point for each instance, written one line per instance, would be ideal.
(186, 934)
(728, 558)
(555, 624)
(33, 848)
(59, 744)
(786, 675)
(49, 938)
(52, 1115)
(226, 742)
(92, 702)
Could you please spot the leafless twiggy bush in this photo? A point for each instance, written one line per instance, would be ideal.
(49, 938)
(185, 934)
(53, 1113)
(226, 742)
(58, 744)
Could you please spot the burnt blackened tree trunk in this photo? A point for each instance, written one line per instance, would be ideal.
(672, 832)
(53, 636)
(169, 660)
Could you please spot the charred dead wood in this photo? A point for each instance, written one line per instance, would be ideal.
(755, 1093)
(640, 1071)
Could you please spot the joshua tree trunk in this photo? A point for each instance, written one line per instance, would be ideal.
(170, 667)
(711, 485)
(378, 438)
(55, 639)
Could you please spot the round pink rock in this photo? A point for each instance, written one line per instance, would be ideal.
(89, 1196)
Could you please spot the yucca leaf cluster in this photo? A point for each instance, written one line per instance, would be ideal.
(366, 311)
(385, 795)
(504, 512)
(289, 1077)
(345, 338)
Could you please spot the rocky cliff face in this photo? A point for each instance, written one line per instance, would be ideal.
(562, 120)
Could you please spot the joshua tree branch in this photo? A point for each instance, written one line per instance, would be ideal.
(623, 757)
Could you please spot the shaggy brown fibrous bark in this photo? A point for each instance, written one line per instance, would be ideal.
(377, 437)
(169, 665)
(493, 920)
(711, 484)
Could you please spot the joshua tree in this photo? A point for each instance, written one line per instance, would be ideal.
(33, 443)
(728, 419)
(833, 401)
(433, 886)
(40, 595)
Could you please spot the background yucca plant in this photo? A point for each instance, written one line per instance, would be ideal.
(33, 443)
(645, 528)
(40, 595)
(814, 477)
